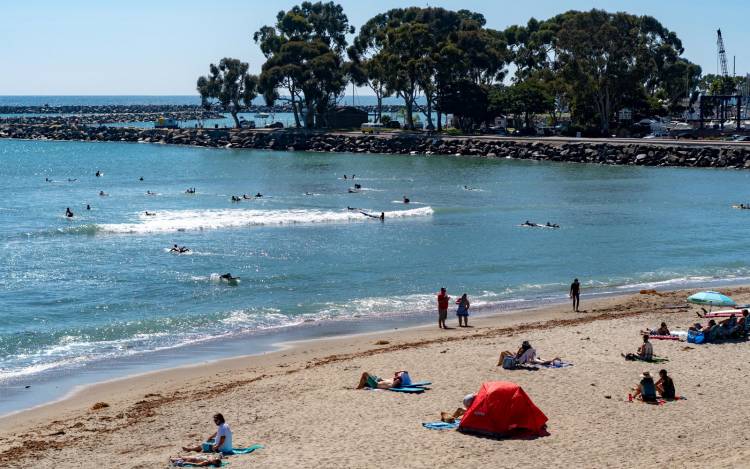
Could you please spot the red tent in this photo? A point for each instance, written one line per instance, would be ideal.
(502, 408)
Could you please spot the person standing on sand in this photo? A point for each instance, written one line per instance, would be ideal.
(463, 311)
(575, 294)
(442, 300)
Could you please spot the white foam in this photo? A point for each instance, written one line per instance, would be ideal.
(191, 220)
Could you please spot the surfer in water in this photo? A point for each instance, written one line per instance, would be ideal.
(88, 207)
(235, 198)
(179, 250)
(141, 178)
(103, 194)
(68, 213)
(528, 223)
(98, 174)
(150, 214)
(258, 195)
(381, 217)
(228, 277)
(406, 200)
(246, 197)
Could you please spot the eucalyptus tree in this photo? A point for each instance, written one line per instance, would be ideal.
(229, 86)
(304, 53)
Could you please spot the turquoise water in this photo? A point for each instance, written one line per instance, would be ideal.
(102, 286)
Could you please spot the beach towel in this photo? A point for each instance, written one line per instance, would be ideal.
(441, 425)
(247, 450)
(558, 364)
(409, 390)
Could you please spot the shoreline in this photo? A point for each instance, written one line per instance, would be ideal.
(167, 391)
(215, 350)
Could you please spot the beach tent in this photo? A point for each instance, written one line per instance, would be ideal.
(502, 408)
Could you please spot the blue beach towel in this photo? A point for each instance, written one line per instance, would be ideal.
(409, 390)
(247, 450)
(441, 425)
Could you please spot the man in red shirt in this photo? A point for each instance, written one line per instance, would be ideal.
(442, 300)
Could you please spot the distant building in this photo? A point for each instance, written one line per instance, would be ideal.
(345, 117)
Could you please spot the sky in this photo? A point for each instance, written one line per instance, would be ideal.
(139, 47)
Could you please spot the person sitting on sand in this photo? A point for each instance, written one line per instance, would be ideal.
(728, 327)
(665, 385)
(645, 390)
(221, 438)
(68, 213)
(400, 378)
(645, 351)
(459, 412)
(711, 331)
(743, 326)
(196, 461)
(525, 355)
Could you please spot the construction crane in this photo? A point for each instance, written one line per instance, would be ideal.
(722, 53)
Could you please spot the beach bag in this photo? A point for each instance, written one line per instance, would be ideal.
(696, 337)
(509, 363)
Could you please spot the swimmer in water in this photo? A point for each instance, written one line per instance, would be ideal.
(228, 277)
(141, 178)
(47, 180)
(98, 173)
(246, 197)
(150, 193)
(103, 194)
(358, 186)
(88, 207)
(235, 198)
(150, 214)
(258, 195)
(68, 213)
(406, 200)
(72, 180)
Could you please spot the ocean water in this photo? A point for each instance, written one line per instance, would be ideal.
(102, 286)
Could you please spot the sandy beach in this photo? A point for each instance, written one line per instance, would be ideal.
(300, 402)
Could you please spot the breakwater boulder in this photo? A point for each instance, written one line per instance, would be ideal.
(708, 154)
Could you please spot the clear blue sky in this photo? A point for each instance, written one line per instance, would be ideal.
(160, 47)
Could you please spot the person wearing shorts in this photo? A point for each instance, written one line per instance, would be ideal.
(442, 300)
(575, 294)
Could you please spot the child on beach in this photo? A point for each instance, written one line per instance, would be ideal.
(219, 442)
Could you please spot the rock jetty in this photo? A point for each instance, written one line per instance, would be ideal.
(703, 154)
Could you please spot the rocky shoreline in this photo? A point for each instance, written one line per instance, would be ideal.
(705, 154)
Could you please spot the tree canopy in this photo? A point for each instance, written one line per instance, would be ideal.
(228, 85)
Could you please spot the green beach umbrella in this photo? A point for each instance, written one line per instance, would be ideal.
(711, 298)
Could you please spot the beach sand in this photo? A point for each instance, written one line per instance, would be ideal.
(301, 404)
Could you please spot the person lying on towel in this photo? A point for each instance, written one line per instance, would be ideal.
(662, 330)
(400, 378)
(196, 461)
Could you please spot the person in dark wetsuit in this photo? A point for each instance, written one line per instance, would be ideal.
(382, 216)
(406, 200)
(68, 213)
(575, 294)
(88, 207)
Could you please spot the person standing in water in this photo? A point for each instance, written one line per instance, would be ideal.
(463, 311)
(575, 294)
(442, 300)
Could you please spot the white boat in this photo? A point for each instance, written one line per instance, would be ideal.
(262, 115)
